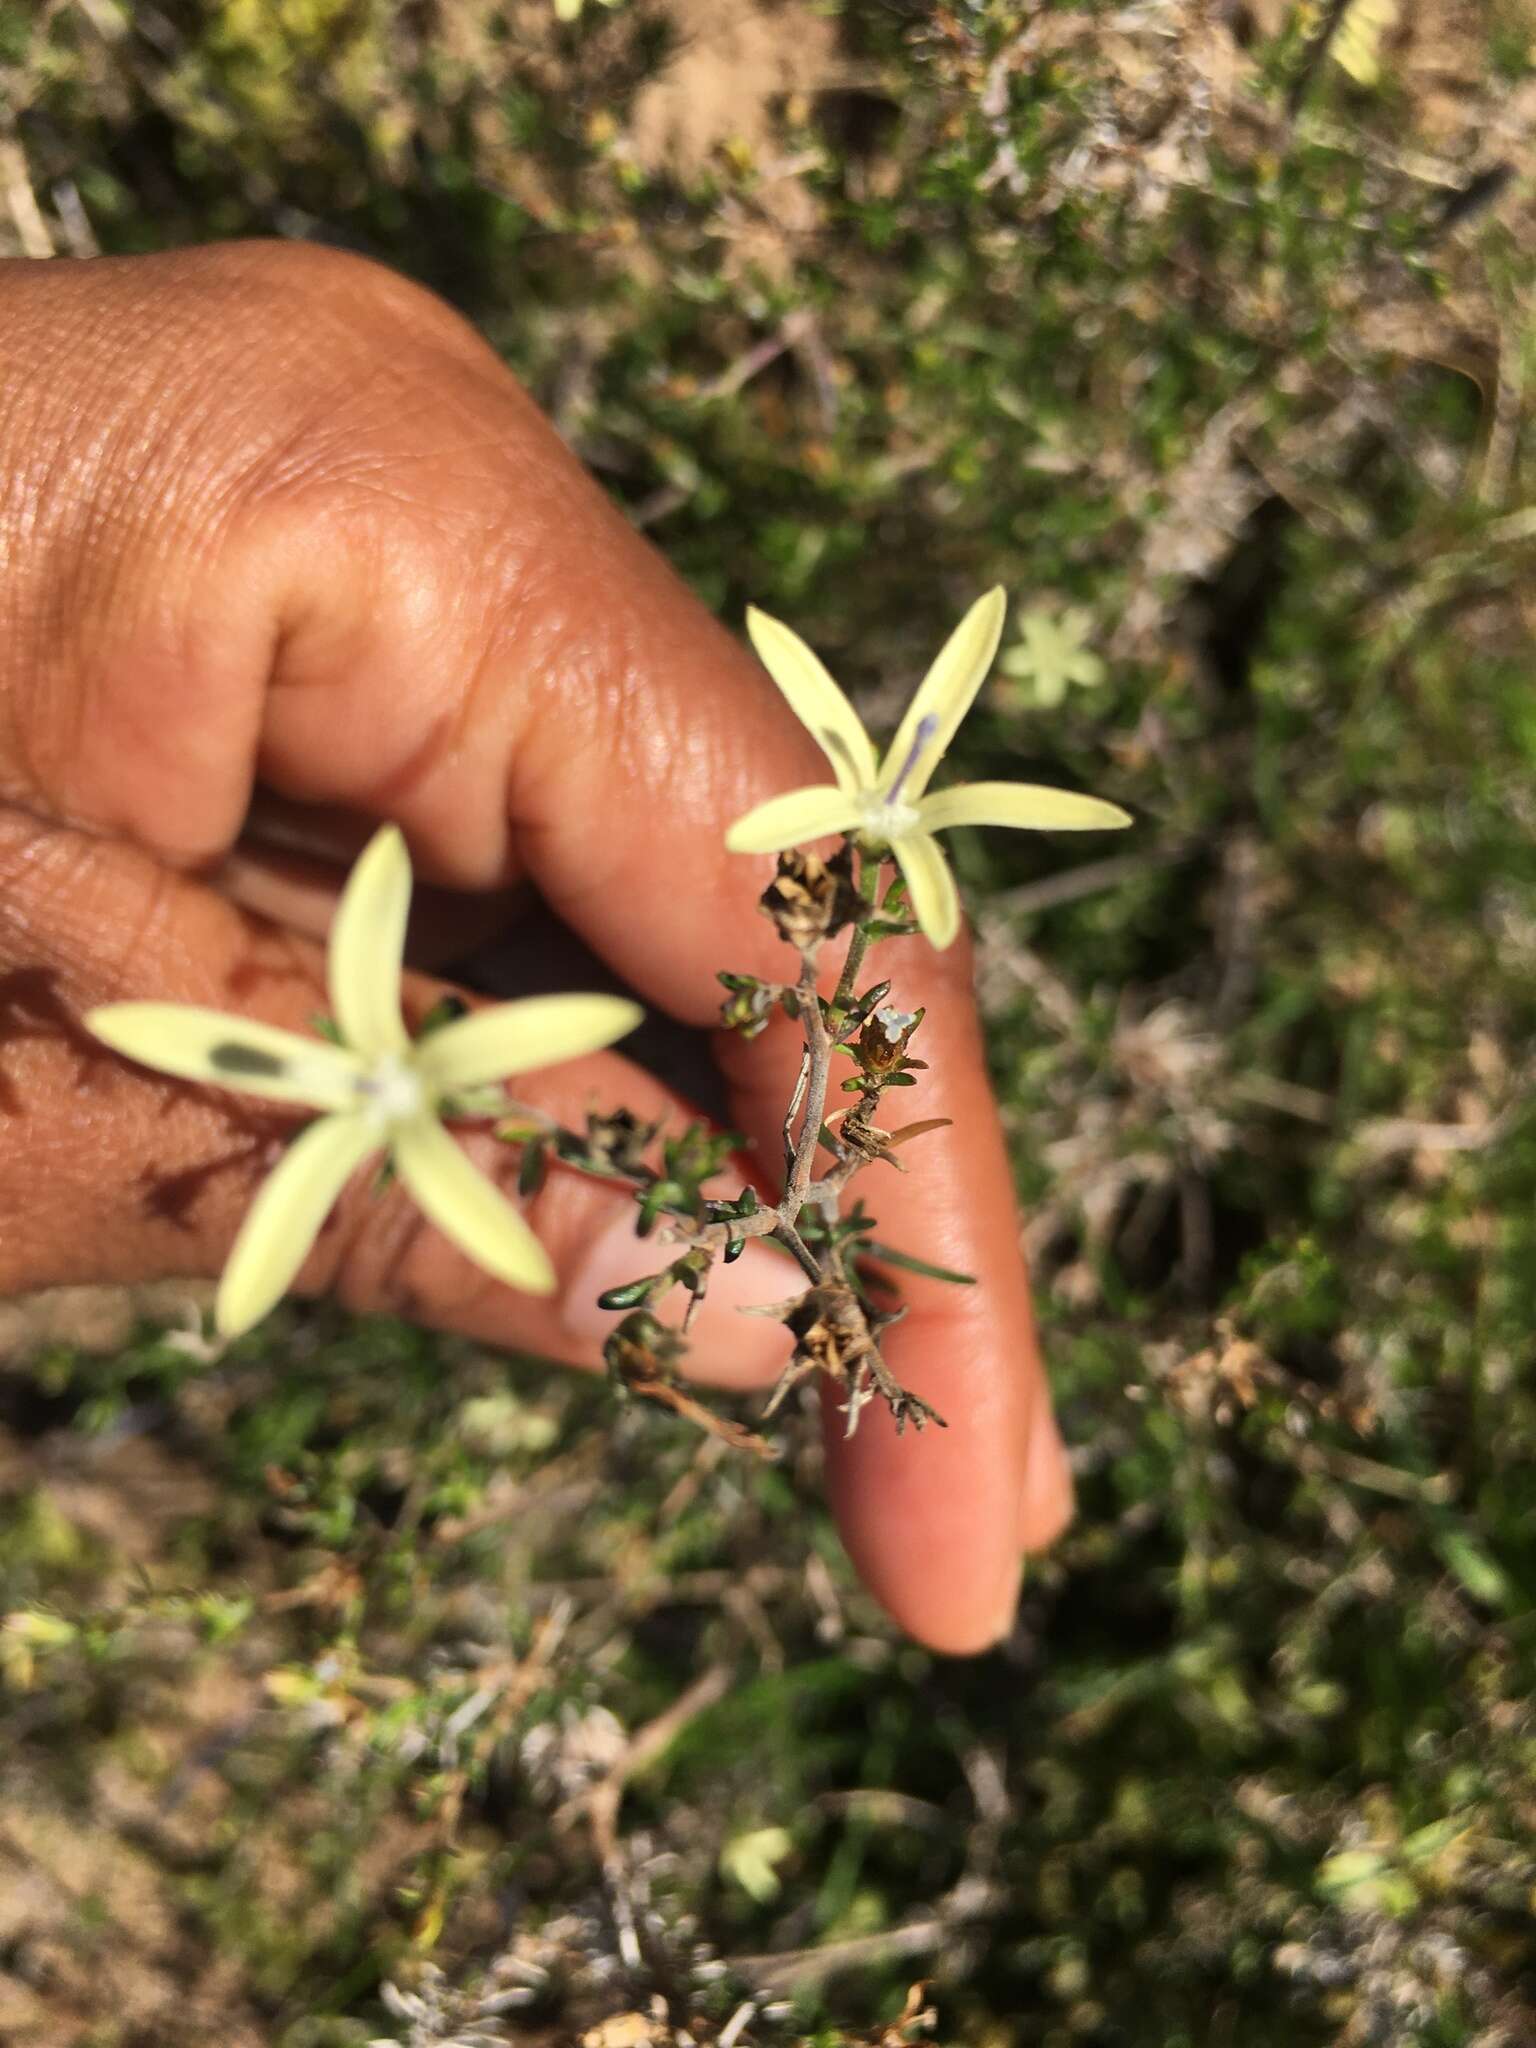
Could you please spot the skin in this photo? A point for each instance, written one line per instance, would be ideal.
(287, 551)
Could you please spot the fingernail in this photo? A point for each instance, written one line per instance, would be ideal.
(725, 1348)
(1048, 1498)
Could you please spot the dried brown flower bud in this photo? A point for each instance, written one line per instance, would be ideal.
(619, 1140)
(809, 899)
(884, 1040)
(830, 1331)
(642, 1350)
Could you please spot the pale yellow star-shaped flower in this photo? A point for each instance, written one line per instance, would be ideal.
(1052, 653)
(886, 803)
(381, 1092)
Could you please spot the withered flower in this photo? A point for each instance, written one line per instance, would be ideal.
(835, 1335)
(830, 1332)
(642, 1349)
(750, 1003)
(809, 899)
(882, 1044)
(619, 1140)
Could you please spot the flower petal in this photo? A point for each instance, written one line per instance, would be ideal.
(930, 888)
(367, 946)
(509, 1038)
(285, 1218)
(453, 1193)
(229, 1051)
(794, 818)
(1030, 806)
(815, 700)
(944, 696)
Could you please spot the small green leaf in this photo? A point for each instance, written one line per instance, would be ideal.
(911, 1264)
(1480, 1574)
(633, 1293)
(750, 1861)
(869, 1001)
(329, 1030)
(532, 1167)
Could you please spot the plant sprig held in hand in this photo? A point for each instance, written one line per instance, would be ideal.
(884, 813)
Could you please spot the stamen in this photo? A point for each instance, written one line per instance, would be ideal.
(925, 732)
(392, 1090)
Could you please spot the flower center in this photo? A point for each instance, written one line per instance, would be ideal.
(391, 1090)
(886, 821)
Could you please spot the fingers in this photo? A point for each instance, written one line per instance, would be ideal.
(382, 586)
(112, 1171)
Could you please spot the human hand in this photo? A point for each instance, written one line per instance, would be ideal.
(282, 538)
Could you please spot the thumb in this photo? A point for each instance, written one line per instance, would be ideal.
(114, 1172)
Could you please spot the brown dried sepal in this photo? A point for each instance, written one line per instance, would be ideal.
(870, 1142)
(809, 899)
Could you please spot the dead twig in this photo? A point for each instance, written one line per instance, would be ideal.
(602, 1802)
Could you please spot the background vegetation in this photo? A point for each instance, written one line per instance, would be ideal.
(364, 1686)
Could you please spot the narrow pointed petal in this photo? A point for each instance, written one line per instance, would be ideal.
(511, 1038)
(930, 888)
(815, 699)
(367, 946)
(794, 819)
(285, 1218)
(228, 1051)
(453, 1193)
(1030, 806)
(944, 696)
